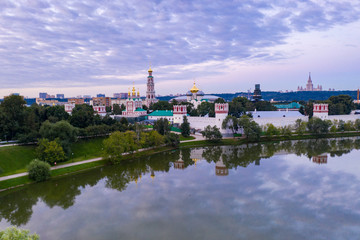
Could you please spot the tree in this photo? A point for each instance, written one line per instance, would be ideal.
(119, 143)
(206, 108)
(251, 129)
(232, 123)
(172, 139)
(50, 151)
(318, 126)
(341, 104)
(152, 139)
(271, 130)
(62, 130)
(17, 234)
(12, 117)
(161, 105)
(162, 126)
(300, 127)
(185, 127)
(82, 116)
(55, 113)
(212, 134)
(38, 171)
(237, 106)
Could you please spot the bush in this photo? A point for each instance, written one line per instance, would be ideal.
(18, 234)
(39, 170)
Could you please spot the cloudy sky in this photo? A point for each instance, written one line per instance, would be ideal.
(92, 46)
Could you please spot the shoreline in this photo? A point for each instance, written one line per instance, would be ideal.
(18, 180)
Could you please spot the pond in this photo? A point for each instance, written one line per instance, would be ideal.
(287, 190)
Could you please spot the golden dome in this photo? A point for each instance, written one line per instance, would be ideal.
(194, 89)
(150, 69)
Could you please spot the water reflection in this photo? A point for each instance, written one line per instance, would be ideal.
(17, 207)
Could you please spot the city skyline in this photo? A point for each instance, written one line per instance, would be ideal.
(85, 48)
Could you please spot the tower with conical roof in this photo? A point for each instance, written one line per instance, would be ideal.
(150, 91)
(309, 85)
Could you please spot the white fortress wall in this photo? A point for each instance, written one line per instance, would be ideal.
(279, 121)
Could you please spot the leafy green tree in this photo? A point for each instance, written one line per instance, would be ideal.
(38, 171)
(82, 116)
(206, 108)
(50, 151)
(300, 127)
(318, 126)
(152, 139)
(172, 139)
(271, 130)
(264, 106)
(232, 123)
(55, 113)
(220, 100)
(13, 233)
(62, 130)
(119, 143)
(185, 127)
(357, 124)
(341, 104)
(162, 126)
(107, 120)
(161, 105)
(252, 130)
(237, 106)
(212, 134)
(12, 117)
(286, 131)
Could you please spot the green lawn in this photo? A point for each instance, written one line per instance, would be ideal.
(15, 159)
(185, 138)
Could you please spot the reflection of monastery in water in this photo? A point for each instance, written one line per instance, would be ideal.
(221, 169)
(179, 164)
(321, 159)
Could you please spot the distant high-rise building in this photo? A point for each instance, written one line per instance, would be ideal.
(257, 93)
(100, 95)
(60, 95)
(43, 95)
(310, 86)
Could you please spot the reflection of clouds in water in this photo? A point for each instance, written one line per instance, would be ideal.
(286, 197)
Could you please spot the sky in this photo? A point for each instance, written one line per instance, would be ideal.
(86, 47)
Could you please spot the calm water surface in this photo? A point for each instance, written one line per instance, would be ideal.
(287, 190)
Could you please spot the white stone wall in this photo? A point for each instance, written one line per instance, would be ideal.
(279, 121)
(155, 118)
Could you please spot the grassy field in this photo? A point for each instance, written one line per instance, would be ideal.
(15, 159)
(185, 138)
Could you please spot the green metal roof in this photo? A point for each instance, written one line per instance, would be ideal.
(164, 113)
(293, 105)
(140, 110)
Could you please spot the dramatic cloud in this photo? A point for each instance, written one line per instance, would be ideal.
(91, 43)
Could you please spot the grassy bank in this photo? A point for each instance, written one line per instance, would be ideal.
(20, 181)
(14, 159)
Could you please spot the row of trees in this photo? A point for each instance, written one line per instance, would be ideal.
(338, 105)
(314, 126)
(122, 142)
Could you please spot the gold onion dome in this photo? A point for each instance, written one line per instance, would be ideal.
(149, 69)
(194, 89)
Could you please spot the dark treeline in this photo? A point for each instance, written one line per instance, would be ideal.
(289, 96)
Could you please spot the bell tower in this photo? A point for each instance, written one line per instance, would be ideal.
(150, 90)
